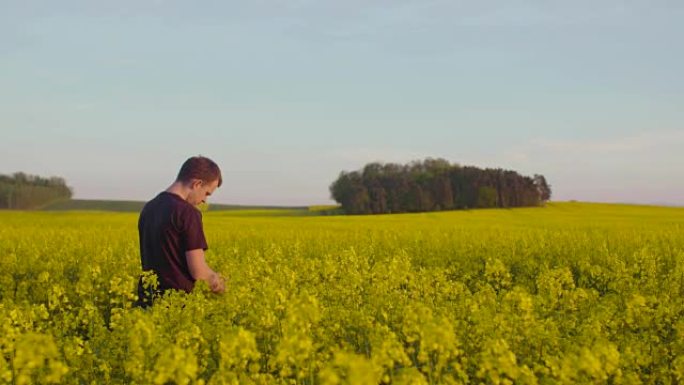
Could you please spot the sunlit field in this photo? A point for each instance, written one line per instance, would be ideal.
(570, 293)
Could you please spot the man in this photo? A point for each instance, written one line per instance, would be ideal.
(172, 242)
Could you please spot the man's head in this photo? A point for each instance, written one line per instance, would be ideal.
(201, 176)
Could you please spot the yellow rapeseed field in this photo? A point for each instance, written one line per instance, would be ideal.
(571, 293)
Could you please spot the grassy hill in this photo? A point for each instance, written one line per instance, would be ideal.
(571, 208)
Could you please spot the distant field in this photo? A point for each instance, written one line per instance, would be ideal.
(571, 293)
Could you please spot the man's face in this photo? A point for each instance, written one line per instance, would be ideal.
(200, 191)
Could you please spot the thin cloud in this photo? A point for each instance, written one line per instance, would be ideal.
(626, 168)
(633, 143)
(363, 155)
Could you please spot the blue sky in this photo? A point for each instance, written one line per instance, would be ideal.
(114, 96)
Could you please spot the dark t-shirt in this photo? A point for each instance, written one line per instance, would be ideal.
(168, 227)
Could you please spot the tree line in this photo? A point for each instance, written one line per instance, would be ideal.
(433, 185)
(21, 191)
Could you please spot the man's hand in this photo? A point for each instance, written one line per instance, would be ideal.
(217, 283)
(199, 270)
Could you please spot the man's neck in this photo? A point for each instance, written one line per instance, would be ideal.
(179, 189)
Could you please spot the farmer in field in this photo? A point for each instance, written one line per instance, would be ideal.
(172, 242)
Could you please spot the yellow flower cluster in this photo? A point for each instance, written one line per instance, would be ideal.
(567, 294)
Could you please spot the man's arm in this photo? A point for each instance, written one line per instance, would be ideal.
(201, 271)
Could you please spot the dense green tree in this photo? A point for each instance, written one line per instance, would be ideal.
(432, 185)
(486, 197)
(26, 192)
(543, 187)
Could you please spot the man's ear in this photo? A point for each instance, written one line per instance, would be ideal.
(196, 183)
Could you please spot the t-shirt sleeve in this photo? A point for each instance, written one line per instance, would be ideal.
(193, 231)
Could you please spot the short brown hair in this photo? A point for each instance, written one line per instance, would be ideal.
(199, 167)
